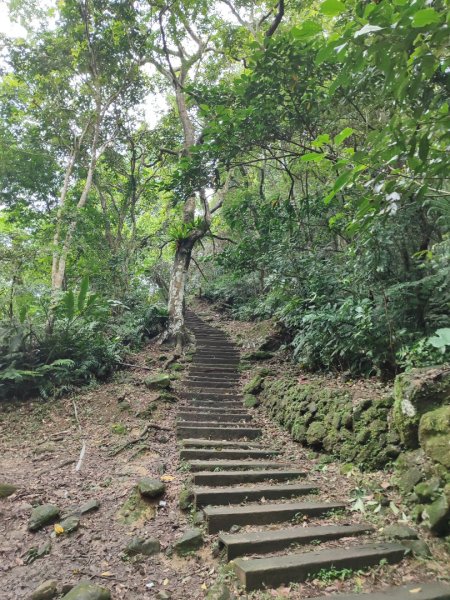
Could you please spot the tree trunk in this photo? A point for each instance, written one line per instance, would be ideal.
(177, 331)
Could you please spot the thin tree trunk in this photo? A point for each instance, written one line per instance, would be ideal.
(176, 330)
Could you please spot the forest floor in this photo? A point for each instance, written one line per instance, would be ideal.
(40, 445)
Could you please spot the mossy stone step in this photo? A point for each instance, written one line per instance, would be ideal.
(280, 539)
(212, 478)
(228, 453)
(215, 396)
(212, 410)
(272, 572)
(234, 495)
(218, 433)
(202, 465)
(218, 444)
(418, 591)
(223, 518)
(210, 423)
(230, 417)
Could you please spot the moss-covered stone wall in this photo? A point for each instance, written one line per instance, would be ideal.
(329, 419)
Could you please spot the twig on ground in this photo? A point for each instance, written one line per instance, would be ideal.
(83, 446)
(65, 463)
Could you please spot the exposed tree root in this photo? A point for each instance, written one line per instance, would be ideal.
(141, 438)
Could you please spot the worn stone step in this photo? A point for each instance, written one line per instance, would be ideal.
(220, 384)
(211, 423)
(225, 454)
(273, 540)
(416, 591)
(221, 406)
(219, 433)
(215, 396)
(223, 478)
(213, 361)
(222, 518)
(213, 376)
(212, 410)
(202, 465)
(217, 416)
(272, 572)
(235, 495)
(226, 369)
(188, 443)
(213, 353)
(226, 402)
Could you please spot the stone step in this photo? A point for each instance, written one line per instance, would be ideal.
(214, 369)
(188, 443)
(212, 410)
(219, 433)
(217, 416)
(416, 591)
(214, 403)
(272, 572)
(273, 540)
(222, 518)
(213, 353)
(209, 361)
(213, 396)
(202, 465)
(193, 382)
(210, 391)
(225, 454)
(212, 423)
(213, 376)
(235, 495)
(223, 478)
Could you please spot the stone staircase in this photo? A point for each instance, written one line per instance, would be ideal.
(239, 481)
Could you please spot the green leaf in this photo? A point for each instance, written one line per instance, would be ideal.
(69, 304)
(367, 29)
(83, 292)
(308, 29)
(23, 313)
(424, 146)
(426, 16)
(343, 135)
(312, 157)
(332, 8)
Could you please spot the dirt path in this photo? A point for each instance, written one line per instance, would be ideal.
(38, 439)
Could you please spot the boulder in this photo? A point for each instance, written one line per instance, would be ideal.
(434, 435)
(157, 382)
(46, 590)
(418, 548)
(151, 488)
(70, 524)
(43, 515)
(416, 393)
(139, 545)
(315, 434)
(427, 490)
(88, 591)
(6, 489)
(254, 386)
(437, 514)
(185, 498)
(398, 531)
(190, 541)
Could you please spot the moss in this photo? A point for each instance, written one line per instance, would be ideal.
(254, 386)
(251, 401)
(434, 435)
(315, 434)
(185, 498)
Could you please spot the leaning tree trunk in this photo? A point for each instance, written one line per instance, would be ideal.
(177, 331)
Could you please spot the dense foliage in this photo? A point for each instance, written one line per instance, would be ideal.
(319, 132)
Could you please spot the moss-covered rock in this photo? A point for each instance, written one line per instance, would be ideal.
(251, 401)
(315, 434)
(7, 489)
(258, 355)
(192, 540)
(88, 591)
(43, 515)
(416, 393)
(437, 514)
(427, 491)
(254, 386)
(151, 488)
(185, 498)
(160, 381)
(434, 435)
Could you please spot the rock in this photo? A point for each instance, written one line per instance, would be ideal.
(251, 401)
(88, 591)
(235, 529)
(418, 548)
(163, 595)
(151, 488)
(89, 506)
(176, 367)
(157, 382)
(43, 515)
(416, 393)
(7, 489)
(70, 524)
(124, 405)
(191, 540)
(139, 545)
(426, 491)
(46, 590)
(399, 532)
(434, 435)
(437, 514)
(254, 386)
(199, 518)
(258, 355)
(409, 479)
(315, 434)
